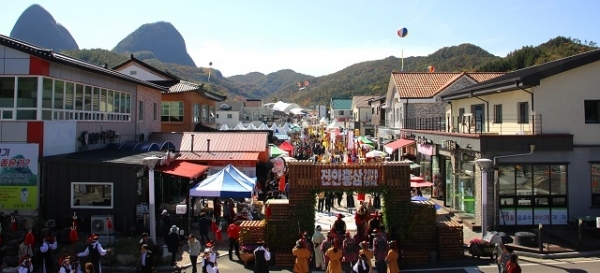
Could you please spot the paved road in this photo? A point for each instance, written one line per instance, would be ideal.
(574, 265)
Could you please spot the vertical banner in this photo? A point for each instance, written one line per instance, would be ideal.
(350, 140)
(18, 176)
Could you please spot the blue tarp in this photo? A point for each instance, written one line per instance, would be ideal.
(227, 183)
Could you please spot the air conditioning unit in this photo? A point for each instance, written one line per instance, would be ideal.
(99, 225)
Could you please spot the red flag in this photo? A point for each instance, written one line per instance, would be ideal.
(268, 211)
(282, 183)
(29, 239)
(109, 223)
(73, 237)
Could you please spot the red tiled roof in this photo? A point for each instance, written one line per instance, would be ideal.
(222, 156)
(427, 85)
(219, 141)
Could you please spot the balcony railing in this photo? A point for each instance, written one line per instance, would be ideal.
(469, 124)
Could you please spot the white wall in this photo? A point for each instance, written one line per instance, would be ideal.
(60, 137)
(13, 62)
(140, 73)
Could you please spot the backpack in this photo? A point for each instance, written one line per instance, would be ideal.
(381, 244)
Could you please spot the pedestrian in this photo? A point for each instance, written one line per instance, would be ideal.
(302, 257)
(334, 254)
(318, 238)
(194, 248)
(165, 222)
(376, 201)
(217, 207)
(349, 201)
(339, 196)
(503, 256)
(146, 240)
(48, 245)
(513, 264)
(172, 242)
(419, 193)
(329, 196)
(226, 211)
(94, 251)
(321, 201)
(349, 253)
(203, 224)
(262, 256)
(25, 265)
(233, 233)
(392, 258)
(145, 264)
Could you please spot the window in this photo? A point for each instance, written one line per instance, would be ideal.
(141, 111)
(211, 114)
(523, 108)
(86, 195)
(7, 92)
(461, 113)
(196, 113)
(204, 113)
(27, 92)
(498, 113)
(154, 110)
(59, 94)
(341, 112)
(171, 111)
(595, 173)
(229, 116)
(78, 97)
(592, 111)
(47, 93)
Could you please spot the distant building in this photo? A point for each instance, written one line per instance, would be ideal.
(361, 115)
(253, 103)
(321, 111)
(229, 112)
(341, 110)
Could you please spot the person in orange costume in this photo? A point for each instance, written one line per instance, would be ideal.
(392, 258)
(302, 257)
(364, 250)
(335, 258)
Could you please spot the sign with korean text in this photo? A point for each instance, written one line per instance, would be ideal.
(349, 177)
(18, 176)
(524, 217)
(559, 216)
(541, 216)
(508, 217)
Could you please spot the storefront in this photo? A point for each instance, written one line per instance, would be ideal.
(430, 168)
(533, 194)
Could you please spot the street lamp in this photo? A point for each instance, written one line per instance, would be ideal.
(151, 163)
(484, 165)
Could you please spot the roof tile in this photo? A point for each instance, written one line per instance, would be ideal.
(427, 85)
(251, 156)
(219, 141)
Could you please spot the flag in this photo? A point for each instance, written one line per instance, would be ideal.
(268, 212)
(282, 183)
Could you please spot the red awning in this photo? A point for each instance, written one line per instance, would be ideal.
(420, 184)
(183, 169)
(287, 147)
(392, 146)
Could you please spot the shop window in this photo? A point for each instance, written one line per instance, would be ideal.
(88, 195)
(524, 180)
(506, 180)
(595, 173)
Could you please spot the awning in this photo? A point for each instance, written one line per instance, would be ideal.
(183, 169)
(392, 146)
(420, 184)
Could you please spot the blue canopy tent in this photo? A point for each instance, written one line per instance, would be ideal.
(223, 184)
(240, 175)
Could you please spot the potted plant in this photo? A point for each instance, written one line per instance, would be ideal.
(479, 247)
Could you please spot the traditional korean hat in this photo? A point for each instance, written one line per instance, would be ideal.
(210, 244)
(339, 216)
(93, 237)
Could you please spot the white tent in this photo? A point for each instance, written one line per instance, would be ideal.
(239, 126)
(224, 127)
(323, 121)
(251, 126)
(274, 127)
(333, 125)
(263, 127)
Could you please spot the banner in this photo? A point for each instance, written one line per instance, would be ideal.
(18, 176)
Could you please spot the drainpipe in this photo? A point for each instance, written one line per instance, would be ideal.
(192, 144)
(405, 105)
(208, 145)
(487, 110)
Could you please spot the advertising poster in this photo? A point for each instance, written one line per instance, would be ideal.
(18, 176)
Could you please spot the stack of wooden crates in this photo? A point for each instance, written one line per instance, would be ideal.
(252, 231)
(279, 223)
(450, 240)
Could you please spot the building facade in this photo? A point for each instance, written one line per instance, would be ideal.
(341, 111)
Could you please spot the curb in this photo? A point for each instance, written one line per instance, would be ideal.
(561, 255)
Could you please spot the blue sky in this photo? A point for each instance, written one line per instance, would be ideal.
(318, 37)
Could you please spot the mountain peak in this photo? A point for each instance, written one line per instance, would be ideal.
(162, 39)
(37, 26)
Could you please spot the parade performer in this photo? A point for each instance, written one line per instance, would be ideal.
(334, 254)
(350, 253)
(48, 245)
(262, 257)
(65, 265)
(380, 250)
(374, 223)
(317, 239)
(25, 265)
(339, 227)
(94, 250)
(326, 245)
(302, 257)
(363, 265)
(364, 250)
(392, 258)
(213, 254)
(207, 265)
